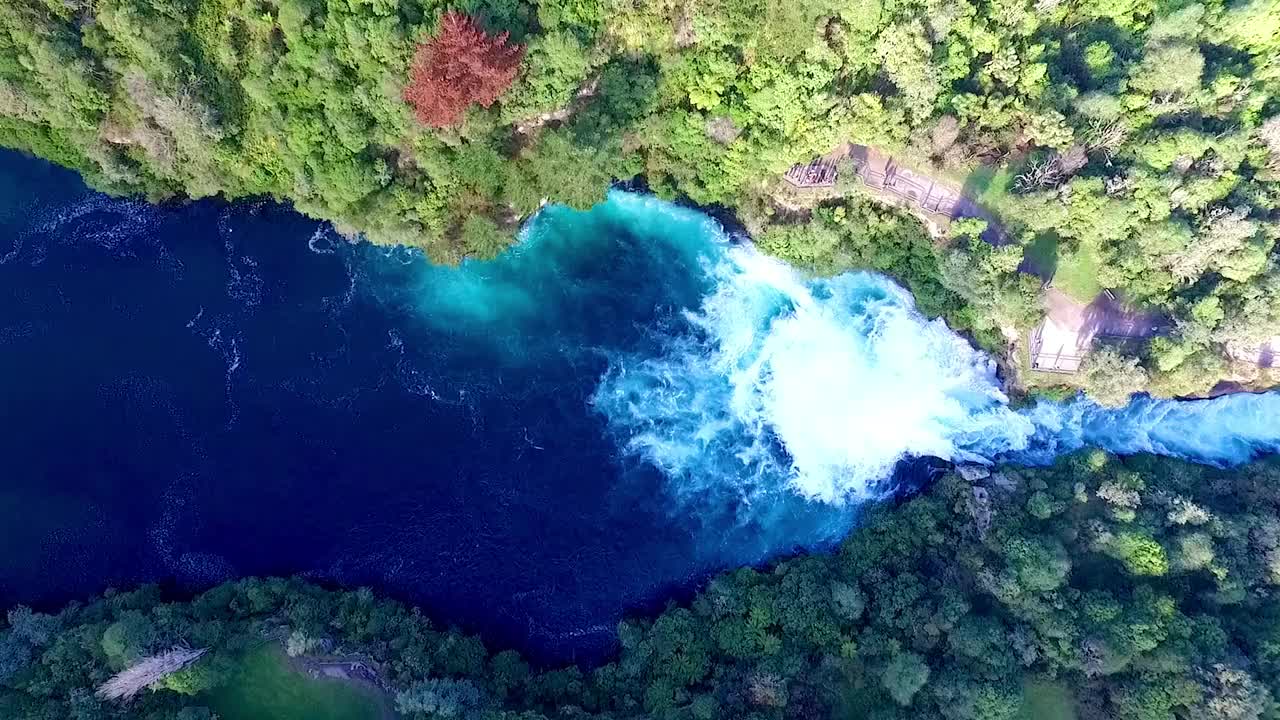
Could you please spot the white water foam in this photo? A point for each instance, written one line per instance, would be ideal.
(1223, 431)
(820, 386)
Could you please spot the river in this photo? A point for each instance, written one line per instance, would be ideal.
(529, 447)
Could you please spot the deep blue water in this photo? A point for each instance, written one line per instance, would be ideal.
(529, 447)
(199, 392)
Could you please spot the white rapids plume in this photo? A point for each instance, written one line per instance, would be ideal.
(821, 386)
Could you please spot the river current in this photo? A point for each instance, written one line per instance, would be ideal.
(624, 402)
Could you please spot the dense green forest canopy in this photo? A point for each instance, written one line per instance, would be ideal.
(1139, 140)
(1100, 588)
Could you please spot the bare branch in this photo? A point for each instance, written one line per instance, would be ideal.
(1040, 174)
(147, 672)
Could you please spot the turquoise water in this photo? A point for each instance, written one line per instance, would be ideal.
(531, 447)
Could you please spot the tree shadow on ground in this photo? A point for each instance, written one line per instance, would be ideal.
(1040, 258)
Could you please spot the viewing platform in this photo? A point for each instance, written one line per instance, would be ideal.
(819, 173)
(1070, 329)
(881, 173)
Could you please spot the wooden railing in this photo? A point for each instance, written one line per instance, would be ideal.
(1054, 361)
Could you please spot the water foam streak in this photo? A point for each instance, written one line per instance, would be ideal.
(1227, 430)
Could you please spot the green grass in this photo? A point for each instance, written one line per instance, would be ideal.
(1043, 700)
(266, 688)
(1077, 275)
(988, 185)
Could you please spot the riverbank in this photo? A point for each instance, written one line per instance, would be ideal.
(925, 600)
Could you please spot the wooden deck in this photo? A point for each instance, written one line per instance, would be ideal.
(819, 173)
(1058, 357)
(884, 174)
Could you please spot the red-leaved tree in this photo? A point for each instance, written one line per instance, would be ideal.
(459, 66)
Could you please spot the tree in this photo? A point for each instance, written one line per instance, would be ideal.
(300, 643)
(1231, 694)
(1193, 552)
(1140, 554)
(128, 639)
(1269, 133)
(1170, 69)
(460, 66)
(482, 238)
(15, 655)
(907, 55)
(33, 627)
(557, 64)
(847, 600)
(1110, 378)
(440, 698)
(904, 676)
(559, 170)
(553, 14)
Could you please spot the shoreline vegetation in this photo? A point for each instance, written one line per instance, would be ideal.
(1136, 588)
(1129, 148)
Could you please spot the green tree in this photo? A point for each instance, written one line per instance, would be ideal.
(1110, 378)
(1141, 555)
(440, 698)
(904, 676)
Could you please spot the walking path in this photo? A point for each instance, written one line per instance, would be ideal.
(1070, 328)
(892, 181)
(351, 670)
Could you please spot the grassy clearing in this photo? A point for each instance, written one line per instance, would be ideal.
(266, 688)
(1077, 275)
(988, 185)
(1043, 700)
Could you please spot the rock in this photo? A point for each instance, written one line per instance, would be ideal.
(980, 510)
(973, 473)
(1004, 482)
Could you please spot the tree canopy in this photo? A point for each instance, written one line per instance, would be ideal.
(459, 67)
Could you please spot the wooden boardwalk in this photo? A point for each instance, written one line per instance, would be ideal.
(882, 173)
(819, 173)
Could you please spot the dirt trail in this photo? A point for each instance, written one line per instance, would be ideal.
(351, 670)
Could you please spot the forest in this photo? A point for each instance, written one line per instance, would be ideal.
(1132, 146)
(1100, 588)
